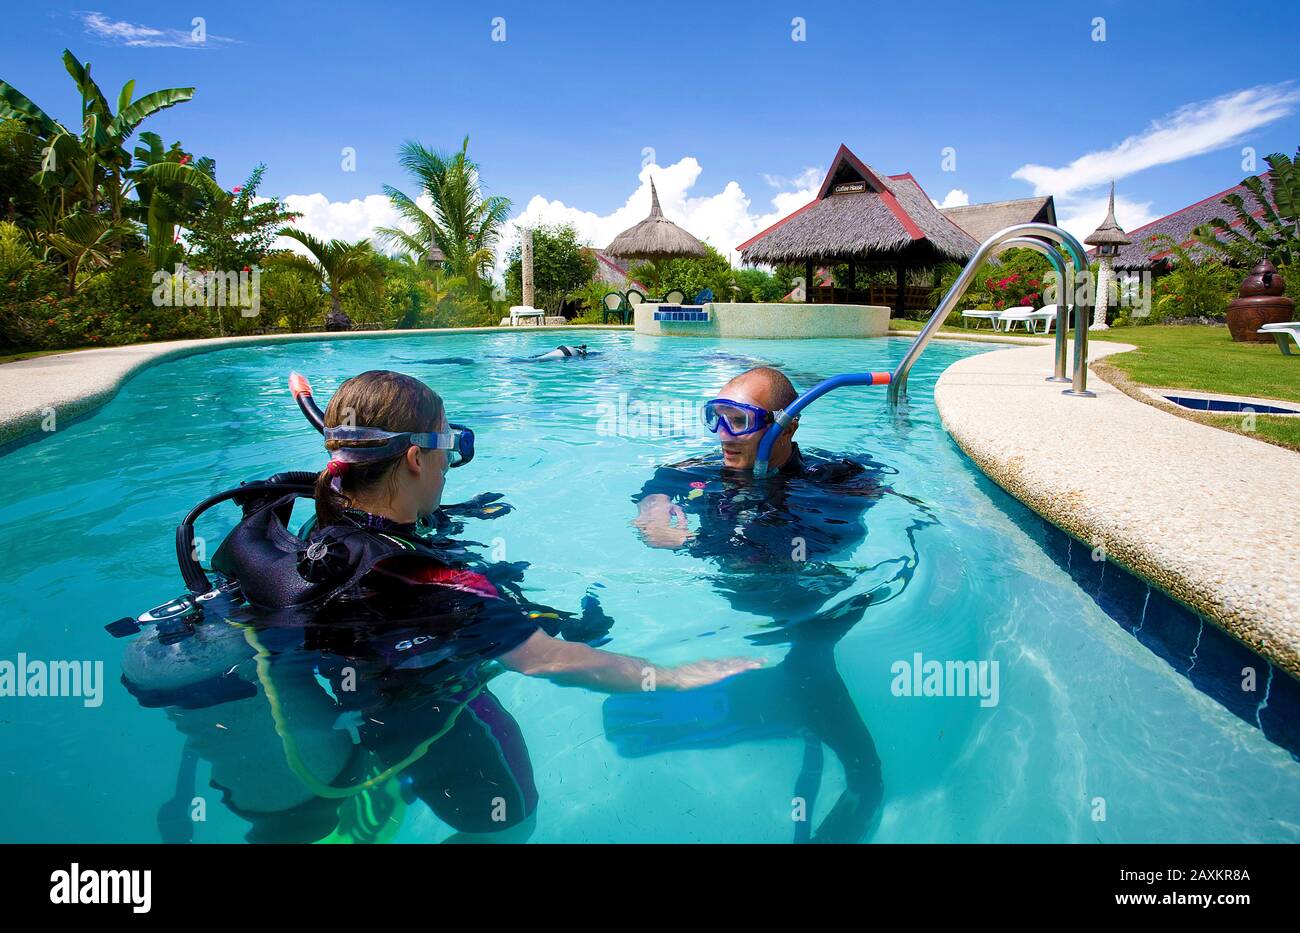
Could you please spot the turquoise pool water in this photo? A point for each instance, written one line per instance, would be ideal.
(1119, 716)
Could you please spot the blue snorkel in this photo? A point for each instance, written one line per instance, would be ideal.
(782, 419)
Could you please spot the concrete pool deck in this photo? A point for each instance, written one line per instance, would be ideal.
(1190, 507)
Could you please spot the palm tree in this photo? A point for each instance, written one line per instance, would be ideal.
(84, 239)
(1275, 234)
(464, 226)
(336, 263)
(94, 159)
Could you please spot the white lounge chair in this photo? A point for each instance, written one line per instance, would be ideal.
(1285, 333)
(977, 316)
(523, 312)
(1047, 315)
(1013, 316)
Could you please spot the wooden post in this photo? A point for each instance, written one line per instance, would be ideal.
(902, 284)
(853, 275)
(807, 280)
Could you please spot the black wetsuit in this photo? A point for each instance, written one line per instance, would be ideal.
(402, 627)
(772, 540)
(414, 643)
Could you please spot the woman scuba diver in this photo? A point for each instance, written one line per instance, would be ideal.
(401, 634)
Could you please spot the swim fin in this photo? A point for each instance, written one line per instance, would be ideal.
(744, 708)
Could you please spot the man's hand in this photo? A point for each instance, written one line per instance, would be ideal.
(661, 523)
(702, 673)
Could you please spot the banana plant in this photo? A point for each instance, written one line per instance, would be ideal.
(86, 242)
(86, 167)
(1273, 231)
(167, 189)
(335, 264)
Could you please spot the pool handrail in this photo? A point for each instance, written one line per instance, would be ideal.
(1020, 235)
(1082, 312)
(1053, 256)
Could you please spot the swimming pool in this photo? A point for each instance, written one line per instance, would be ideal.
(1118, 717)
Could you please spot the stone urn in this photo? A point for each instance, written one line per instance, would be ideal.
(1261, 302)
(339, 320)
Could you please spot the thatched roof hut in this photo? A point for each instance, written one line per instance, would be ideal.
(1179, 225)
(981, 221)
(861, 217)
(656, 237)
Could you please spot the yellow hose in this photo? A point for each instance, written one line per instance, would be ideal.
(262, 664)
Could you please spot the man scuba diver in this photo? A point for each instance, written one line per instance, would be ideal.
(370, 640)
(769, 539)
(563, 352)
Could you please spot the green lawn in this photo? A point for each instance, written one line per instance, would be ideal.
(30, 354)
(1204, 358)
(905, 324)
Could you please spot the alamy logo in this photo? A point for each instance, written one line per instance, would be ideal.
(922, 678)
(28, 678)
(187, 289)
(78, 886)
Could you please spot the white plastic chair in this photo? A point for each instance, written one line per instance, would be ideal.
(977, 316)
(1046, 314)
(1013, 316)
(523, 312)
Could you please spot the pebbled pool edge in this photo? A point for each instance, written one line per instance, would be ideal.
(1187, 506)
(74, 384)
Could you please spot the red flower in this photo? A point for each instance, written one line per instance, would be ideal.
(697, 485)
(236, 189)
(247, 269)
(185, 160)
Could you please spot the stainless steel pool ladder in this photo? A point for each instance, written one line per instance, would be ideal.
(1024, 236)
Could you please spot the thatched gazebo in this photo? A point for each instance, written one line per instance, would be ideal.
(865, 220)
(656, 237)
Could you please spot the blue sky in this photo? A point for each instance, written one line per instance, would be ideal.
(739, 116)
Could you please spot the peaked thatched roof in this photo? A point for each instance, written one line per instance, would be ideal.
(1180, 224)
(981, 221)
(859, 214)
(656, 237)
(1110, 233)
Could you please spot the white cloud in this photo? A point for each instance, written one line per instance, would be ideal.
(1189, 131)
(954, 198)
(1081, 216)
(343, 220)
(136, 35)
(724, 219)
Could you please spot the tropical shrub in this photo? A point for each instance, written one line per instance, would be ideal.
(691, 275)
(1191, 289)
(562, 265)
(291, 298)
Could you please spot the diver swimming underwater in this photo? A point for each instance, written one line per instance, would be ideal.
(369, 635)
